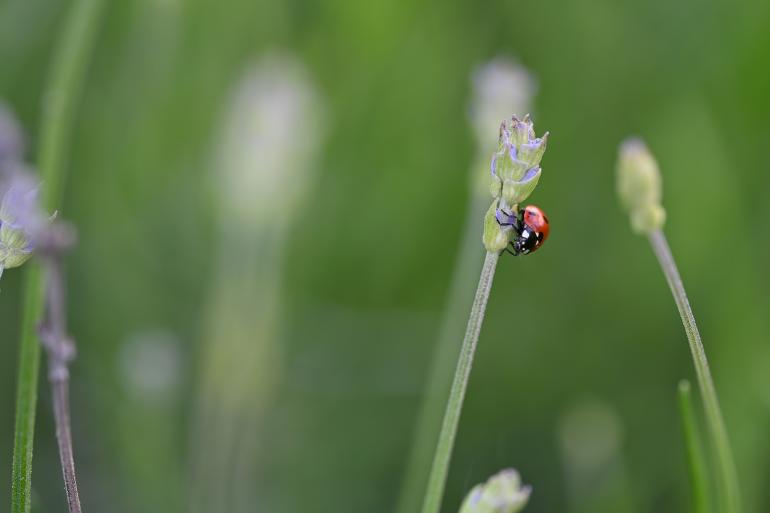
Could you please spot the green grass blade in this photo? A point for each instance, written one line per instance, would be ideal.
(26, 395)
(696, 463)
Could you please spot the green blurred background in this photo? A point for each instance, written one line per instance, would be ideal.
(575, 377)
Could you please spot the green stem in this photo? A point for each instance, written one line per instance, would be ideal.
(443, 362)
(26, 393)
(696, 463)
(60, 98)
(443, 454)
(727, 475)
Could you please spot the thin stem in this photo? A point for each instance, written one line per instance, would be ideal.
(60, 98)
(61, 351)
(26, 393)
(443, 454)
(61, 407)
(696, 463)
(443, 362)
(728, 478)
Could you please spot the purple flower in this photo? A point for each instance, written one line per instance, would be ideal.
(21, 219)
(515, 166)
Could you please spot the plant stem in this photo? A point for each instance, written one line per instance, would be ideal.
(443, 361)
(61, 406)
(443, 454)
(60, 350)
(26, 393)
(696, 463)
(59, 101)
(727, 475)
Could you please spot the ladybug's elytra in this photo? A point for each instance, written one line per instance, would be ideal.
(530, 227)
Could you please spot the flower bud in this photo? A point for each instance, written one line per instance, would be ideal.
(496, 237)
(270, 141)
(515, 192)
(502, 493)
(20, 219)
(639, 186)
(517, 162)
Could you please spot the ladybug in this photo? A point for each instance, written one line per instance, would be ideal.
(530, 227)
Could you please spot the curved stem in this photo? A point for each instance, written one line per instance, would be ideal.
(60, 98)
(443, 454)
(728, 478)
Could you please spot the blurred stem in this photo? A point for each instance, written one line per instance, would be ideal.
(443, 361)
(727, 475)
(443, 454)
(696, 463)
(60, 350)
(59, 100)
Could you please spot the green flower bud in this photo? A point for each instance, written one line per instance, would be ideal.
(639, 186)
(13, 257)
(532, 152)
(495, 187)
(502, 493)
(517, 161)
(20, 218)
(496, 237)
(648, 218)
(515, 192)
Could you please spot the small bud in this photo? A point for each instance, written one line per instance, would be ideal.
(517, 162)
(531, 152)
(515, 192)
(496, 237)
(495, 187)
(270, 139)
(21, 220)
(502, 493)
(639, 186)
(522, 130)
(648, 218)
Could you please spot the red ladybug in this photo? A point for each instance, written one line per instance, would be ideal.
(530, 227)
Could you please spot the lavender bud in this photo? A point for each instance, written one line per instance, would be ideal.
(21, 219)
(496, 237)
(514, 192)
(502, 493)
(271, 138)
(516, 164)
(639, 186)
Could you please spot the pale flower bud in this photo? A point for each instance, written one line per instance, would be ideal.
(502, 493)
(639, 186)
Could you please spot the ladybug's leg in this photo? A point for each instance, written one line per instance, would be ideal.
(504, 218)
(513, 250)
